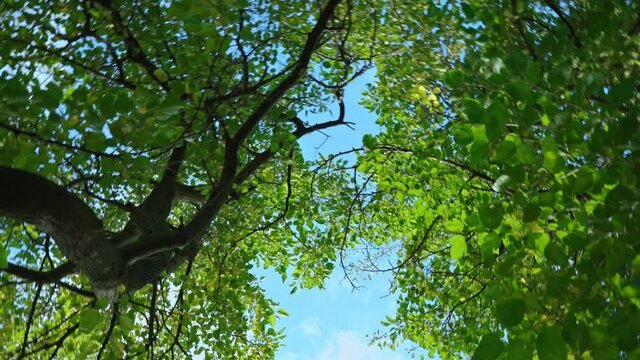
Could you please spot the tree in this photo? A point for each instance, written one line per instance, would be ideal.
(508, 169)
(148, 161)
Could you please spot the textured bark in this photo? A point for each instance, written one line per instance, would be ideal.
(76, 229)
(151, 215)
(148, 245)
(36, 276)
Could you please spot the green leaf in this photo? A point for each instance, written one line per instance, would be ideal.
(551, 158)
(4, 254)
(467, 10)
(478, 153)
(489, 245)
(530, 213)
(520, 90)
(541, 242)
(576, 240)
(117, 347)
(272, 320)
(126, 323)
(458, 247)
(454, 226)
(545, 120)
(462, 135)
(510, 312)
(102, 304)
(519, 350)
(52, 96)
(555, 254)
(107, 107)
(622, 92)
(525, 154)
(533, 73)
(491, 215)
(497, 119)
(550, 345)
(505, 151)
(489, 348)
(369, 141)
(161, 75)
(475, 111)
(89, 319)
(453, 78)
(123, 103)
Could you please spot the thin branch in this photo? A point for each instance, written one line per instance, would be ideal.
(287, 83)
(60, 342)
(356, 197)
(179, 301)
(556, 9)
(77, 290)
(450, 314)
(518, 23)
(39, 138)
(30, 321)
(135, 53)
(112, 324)
(151, 320)
(417, 248)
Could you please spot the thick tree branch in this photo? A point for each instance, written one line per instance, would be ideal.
(187, 193)
(293, 77)
(50, 276)
(158, 204)
(152, 320)
(72, 224)
(301, 130)
(150, 217)
(194, 229)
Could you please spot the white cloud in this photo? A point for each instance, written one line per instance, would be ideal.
(350, 345)
(310, 327)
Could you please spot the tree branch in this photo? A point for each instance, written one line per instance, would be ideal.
(30, 321)
(157, 206)
(195, 228)
(78, 232)
(50, 276)
(556, 9)
(39, 138)
(293, 77)
(112, 325)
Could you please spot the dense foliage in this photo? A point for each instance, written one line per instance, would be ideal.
(510, 160)
(149, 160)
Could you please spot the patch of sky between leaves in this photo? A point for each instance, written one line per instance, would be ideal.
(337, 309)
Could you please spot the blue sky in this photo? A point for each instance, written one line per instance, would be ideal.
(333, 324)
